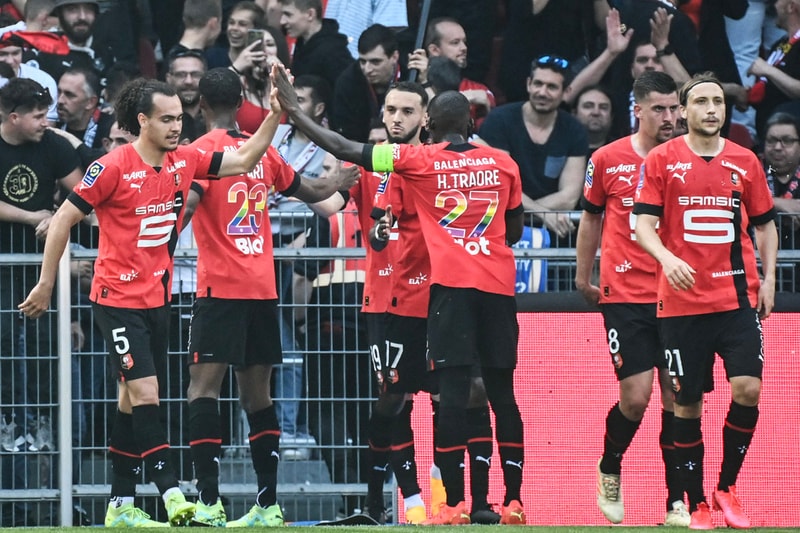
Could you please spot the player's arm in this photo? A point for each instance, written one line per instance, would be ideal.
(679, 274)
(329, 140)
(250, 153)
(515, 221)
(39, 298)
(766, 236)
(317, 190)
(192, 201)
(379, 232)
(589, 232)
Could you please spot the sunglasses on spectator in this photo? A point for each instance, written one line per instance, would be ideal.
(191, 52)
(38, 95)
(552, 61)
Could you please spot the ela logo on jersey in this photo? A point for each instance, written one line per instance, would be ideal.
(92, 173)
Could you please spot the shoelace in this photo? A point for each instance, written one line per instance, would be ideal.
(138, 513)
(611, 488)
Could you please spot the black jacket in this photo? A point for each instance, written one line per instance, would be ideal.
(325, 53)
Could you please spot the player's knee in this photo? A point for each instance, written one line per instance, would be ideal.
(634, 406)
(746, 390)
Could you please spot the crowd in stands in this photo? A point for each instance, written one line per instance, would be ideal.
(548, 81)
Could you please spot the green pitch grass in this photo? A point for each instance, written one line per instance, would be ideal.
(432, 529)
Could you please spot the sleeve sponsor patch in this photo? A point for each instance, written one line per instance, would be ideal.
(92, 173)
(589, 174)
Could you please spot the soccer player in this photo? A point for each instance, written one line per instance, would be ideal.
(234, 319)
(627, 292)
(399, 359)
(469, 201)
(706, 192)
(138, 193)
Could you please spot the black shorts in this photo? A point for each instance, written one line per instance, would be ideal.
(691, 341)
(399, 362)
(136, 338)
(632, 335)
(239, 332)
(469, 327)
(376, 329)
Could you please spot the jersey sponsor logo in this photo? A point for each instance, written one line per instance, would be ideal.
(129, 276)
(418, 280)
(589, 174)
(177, 165)
(473, 247)
(732, 166)
(162, 207)
(137, 175)
(621, 168)
(395, 152)
(726, 273)
(92, 173)
(456, 164)
(624, 267)
(384, 272)
(627, 179)
(679, 170)
(716, 201)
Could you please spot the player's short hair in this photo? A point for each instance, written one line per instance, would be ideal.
(411, 87)
(443, 74)
(91, 81)
(221, 88)
(697, 79)
(259, 15)
(653, 81)
(23, 95)
(305, 5)
(137, 97)
(197, 13)
(377, 35)
(449, 113)
(320, 88)
(432, 33)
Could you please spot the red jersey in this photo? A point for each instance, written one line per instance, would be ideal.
(627, 272)
(705, 209)
(379, 264)
(477, 114)
(139, 210)
(231, 224)
(411, 286)
(462, 194)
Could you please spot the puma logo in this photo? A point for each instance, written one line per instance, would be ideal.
(628, 180)
(482, 459)
(681, 177)
(512, 463)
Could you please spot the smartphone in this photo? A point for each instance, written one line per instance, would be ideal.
(254, 35)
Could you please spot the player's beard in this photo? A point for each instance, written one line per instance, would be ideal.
(404, 139)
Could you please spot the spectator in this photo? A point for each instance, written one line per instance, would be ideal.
(78, 107)
(202, 24)
(306, 158)
(184, 70)
(782, 159)
(748, 37)
(320, 49)
(256, 61)
(778, 84)
(12, 56)
(545, 27)
(29, 184)
(117, 137)
(355, 16)
(548, 144)
(96, 42)
(445, 37)
(360, 90)
(36, 14)
(594, 111)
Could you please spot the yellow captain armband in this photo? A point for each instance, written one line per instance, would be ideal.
(383, 157)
